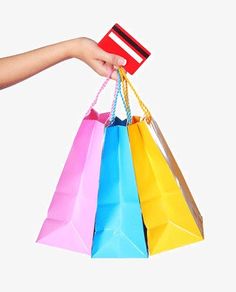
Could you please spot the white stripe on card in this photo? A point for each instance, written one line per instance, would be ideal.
(125, 47)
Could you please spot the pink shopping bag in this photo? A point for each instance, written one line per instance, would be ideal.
(71, 215)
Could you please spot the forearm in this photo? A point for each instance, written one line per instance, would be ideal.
(16, 68)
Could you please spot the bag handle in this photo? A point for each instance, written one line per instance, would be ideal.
(125, 97)
(125, 81)
(104, 84)
(125, 90)
(114, 103)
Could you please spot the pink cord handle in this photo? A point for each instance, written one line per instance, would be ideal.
(99, 91)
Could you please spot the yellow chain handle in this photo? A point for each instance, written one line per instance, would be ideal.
(125, 82)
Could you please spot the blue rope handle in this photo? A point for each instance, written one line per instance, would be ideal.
(114, 104)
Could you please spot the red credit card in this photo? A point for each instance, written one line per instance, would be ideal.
(120, 42)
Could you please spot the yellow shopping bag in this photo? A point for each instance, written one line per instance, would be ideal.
(169, 212)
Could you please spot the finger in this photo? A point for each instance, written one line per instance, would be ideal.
(113, 59)
(104, 69)
(114, 75)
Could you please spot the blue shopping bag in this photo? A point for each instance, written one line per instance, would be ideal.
(119, 229)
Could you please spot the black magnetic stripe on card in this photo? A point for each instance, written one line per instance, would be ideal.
(130, 41)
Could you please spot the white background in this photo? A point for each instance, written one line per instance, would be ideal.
(188, 82)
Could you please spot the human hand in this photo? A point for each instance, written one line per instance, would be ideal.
(99, 60)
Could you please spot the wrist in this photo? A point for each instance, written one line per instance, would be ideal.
(73, 48)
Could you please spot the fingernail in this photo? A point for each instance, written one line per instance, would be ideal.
(122, 62)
